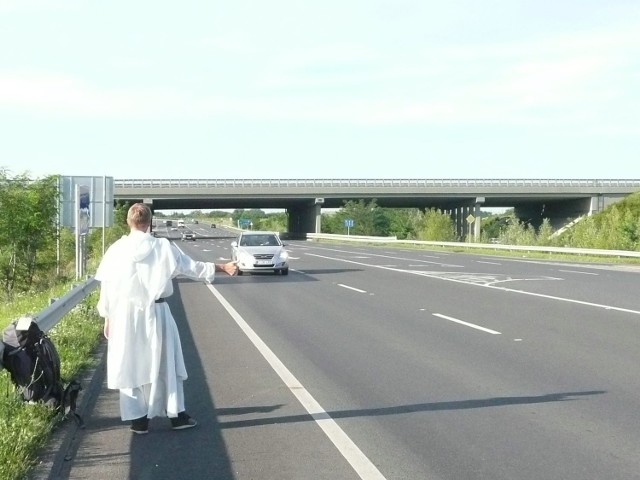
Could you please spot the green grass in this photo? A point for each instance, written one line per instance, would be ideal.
(26, 428)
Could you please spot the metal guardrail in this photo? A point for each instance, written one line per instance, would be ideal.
(492, 246)
(367, 183)
(51, 315)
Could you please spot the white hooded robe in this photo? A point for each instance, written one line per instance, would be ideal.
(144, 344)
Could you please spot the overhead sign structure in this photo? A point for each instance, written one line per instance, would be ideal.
(96, 198)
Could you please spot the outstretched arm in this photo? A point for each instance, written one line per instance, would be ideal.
(205, 270)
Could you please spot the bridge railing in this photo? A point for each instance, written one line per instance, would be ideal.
(367, 183)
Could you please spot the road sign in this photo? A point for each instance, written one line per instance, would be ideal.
(471, 219)
(348, 223)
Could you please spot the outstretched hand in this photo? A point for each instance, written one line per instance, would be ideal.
(230, 268)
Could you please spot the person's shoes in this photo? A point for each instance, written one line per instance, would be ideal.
(182, 421)
(140, 425)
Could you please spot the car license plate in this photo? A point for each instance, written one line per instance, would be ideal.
(263, 262)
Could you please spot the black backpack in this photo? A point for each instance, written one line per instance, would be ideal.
(33, 363)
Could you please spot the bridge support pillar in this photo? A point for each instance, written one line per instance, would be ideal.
(458, 220)
(303, 219)
(465, 225)
(478, 219)
(318, 218)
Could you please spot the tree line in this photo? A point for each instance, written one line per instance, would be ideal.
(35, 253)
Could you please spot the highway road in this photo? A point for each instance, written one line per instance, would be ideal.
(379, 363)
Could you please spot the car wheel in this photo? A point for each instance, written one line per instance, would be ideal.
(239, 272)
(284, 271)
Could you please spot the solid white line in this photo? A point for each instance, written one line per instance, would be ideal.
(352, 288)
(360, 463)
(477, 327)
(489, 263)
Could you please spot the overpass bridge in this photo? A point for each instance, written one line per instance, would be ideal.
(559, 200)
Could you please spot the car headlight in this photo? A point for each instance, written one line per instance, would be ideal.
(284, 255)
(245, 257)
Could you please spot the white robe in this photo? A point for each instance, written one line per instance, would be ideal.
(144, 344)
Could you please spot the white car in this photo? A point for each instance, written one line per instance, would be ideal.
(260, 251)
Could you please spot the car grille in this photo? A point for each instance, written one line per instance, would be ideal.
(263, 256)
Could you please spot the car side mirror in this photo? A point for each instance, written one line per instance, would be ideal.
(234, 244)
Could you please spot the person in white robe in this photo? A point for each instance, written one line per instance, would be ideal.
(144, 353)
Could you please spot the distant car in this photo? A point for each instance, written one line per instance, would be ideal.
(188, 236)
(213, 225)
(260, 251)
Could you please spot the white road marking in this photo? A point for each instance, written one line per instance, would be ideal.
(582, 273)
(472, 325)
(358, 460)
(387, 256)
(505, 289)
(489, 263)
(352, 288)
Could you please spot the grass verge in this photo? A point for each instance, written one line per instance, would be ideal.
(26, 428)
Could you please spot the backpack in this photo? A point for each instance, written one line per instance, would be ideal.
(33, 363)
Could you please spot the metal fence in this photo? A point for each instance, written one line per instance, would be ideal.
(368, 183)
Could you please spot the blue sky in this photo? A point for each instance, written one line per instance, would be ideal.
(331, 89)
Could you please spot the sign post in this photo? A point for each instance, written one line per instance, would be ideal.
(470, 220)
(85, 203)
(348, 223)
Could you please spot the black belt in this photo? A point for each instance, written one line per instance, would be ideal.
(160, 300)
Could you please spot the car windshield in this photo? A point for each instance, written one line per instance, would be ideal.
(258, 240)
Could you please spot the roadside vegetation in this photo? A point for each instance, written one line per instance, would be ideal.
(615, 228)
(37, 264)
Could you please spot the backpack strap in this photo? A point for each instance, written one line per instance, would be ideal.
(70, 400)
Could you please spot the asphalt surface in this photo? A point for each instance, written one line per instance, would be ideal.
(366, 362)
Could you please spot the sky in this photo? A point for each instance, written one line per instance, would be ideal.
(327, 89)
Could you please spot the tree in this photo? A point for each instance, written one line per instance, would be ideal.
(275, 222)
(545, 233)
(28, 213)
(404, 223)
(437, 227)
(368, 218)
(254, 216)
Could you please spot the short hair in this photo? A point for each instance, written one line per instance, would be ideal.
(139, 215)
